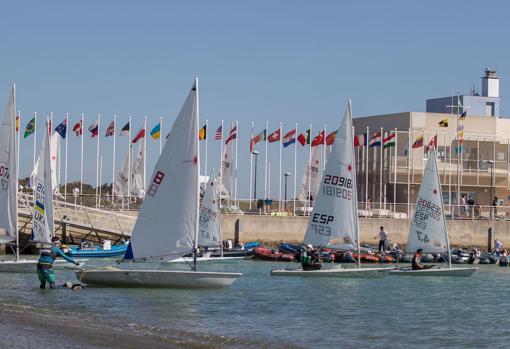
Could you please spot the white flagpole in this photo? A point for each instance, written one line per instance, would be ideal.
(81, 157)
(265, 167)
(324, 150)
(381, 172)
(100, 179)
(395, 173)
(280, 171)
(206, 140)
(65, 162)
(113, 156)
(129, 163)
(160, 134)
(144, 145)
(309, 191)
(221, 155)
(295, 169)
(19, 136)
(235, 169)
(251, 167)
(35, 135)
(366, 167)
(97, 159)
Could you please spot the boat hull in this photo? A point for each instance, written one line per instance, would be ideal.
(334, 273)
(203, 259)
(115, 251)
(156, 278)
(461, 272)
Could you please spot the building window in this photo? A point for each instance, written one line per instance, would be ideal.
(490, 109)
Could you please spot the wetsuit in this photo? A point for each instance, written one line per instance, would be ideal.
(45, 265)
(310, 262)
(416, 263)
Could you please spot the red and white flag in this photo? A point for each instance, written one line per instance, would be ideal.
(139, 135)
(110, 131)
(219, 133)
(232, 134)
(275, 136)
(78, 129)
(94, 129)
(432, 144)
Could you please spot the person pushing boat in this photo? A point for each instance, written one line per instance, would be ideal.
(45, 264)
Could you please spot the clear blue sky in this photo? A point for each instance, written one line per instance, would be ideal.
(289, 61)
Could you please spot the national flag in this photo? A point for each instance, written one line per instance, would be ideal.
(275, 136)
(375, 141)
(330, 139)
(432, 144)
(139, 135)
(110, 131)
(39, 207)
(418, 142)
(232, 134)
(304, 138)
(389, 141)
(156, 131)
(30, 128)
(48, 125)
(125, 130)
(462, 116)
(258, 138)
(94, 129)
(202, 133)
(289, 138)
(219, 133)
(17, 123)
(443, 123)
(319, 139)
(61, 129)
(360, 139)
(78, 129)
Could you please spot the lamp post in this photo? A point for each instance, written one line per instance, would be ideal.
(255, 153)
(286, 174)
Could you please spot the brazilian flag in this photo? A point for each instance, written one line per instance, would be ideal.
(30, 128)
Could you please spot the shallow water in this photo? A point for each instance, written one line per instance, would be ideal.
(261, 310)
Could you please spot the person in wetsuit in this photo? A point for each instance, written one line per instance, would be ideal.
(45, 264)
(309, 259)
(416, 263)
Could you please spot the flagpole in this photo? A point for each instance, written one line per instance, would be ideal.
(362, 168)
(113, 157)
(324, 150)
(309, 191)
(65, 160)
(206, 140)
(295, 169)
(235, 173)
(409, 149)
(365, 141)
(129, 164)
(280, 174)
(251, 167)
(19, 136)
(100, 177)
(160, 134)
(81, 158)
(144, 145)
(265, 166)
(97, 159)
(35, 135)
(221, 156)
(395, 173)
(381, 172)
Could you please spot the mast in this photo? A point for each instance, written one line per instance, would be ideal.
(442, 211)
(350, 143)
(197, 193)
(14, 173)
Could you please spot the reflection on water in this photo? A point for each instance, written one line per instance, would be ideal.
(278, 311)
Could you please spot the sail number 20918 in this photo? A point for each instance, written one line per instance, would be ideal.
(337, 186)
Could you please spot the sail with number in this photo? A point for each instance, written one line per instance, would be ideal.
(137, 181)
(312, 177)
(209, 225)
(428, 229)
(8, 176)
(121, 188)
(42, 216)
(334, 220)
(167, 223)
(227, 169)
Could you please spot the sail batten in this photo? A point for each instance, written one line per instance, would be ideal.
(167, 223)
(333, 222)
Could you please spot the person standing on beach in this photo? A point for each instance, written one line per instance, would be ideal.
(383, 235)
(45, 264)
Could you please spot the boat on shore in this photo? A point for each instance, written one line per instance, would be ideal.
(97, 251)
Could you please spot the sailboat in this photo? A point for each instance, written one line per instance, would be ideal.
(428, 229)
(168, 223)
(334, 219)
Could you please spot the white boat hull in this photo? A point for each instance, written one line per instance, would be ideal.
(156, 278)
(30, 266)
(334, 273)
(203, 259)
(434, 272)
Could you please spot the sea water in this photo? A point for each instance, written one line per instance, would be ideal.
(260, 310)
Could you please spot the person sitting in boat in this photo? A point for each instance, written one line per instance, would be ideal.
(45, 264)
(416, 262)
(310, 260)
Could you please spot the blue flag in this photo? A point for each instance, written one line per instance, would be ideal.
(61, 129)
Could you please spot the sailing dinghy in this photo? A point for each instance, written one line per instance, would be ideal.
(428, 229)
(168, 224)
(334, 220)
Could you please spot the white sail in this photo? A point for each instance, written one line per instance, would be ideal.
(312, 176)
(8, 179)
(227, 169)
(334, 220)
(428, 226)
(120, 188)
(167, 223)
(42, 217)
(209, 224)
(137, 181)
(54, 163)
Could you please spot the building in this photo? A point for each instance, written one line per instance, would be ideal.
(473, 153)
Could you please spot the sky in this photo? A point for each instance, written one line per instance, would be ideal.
(280, 61)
